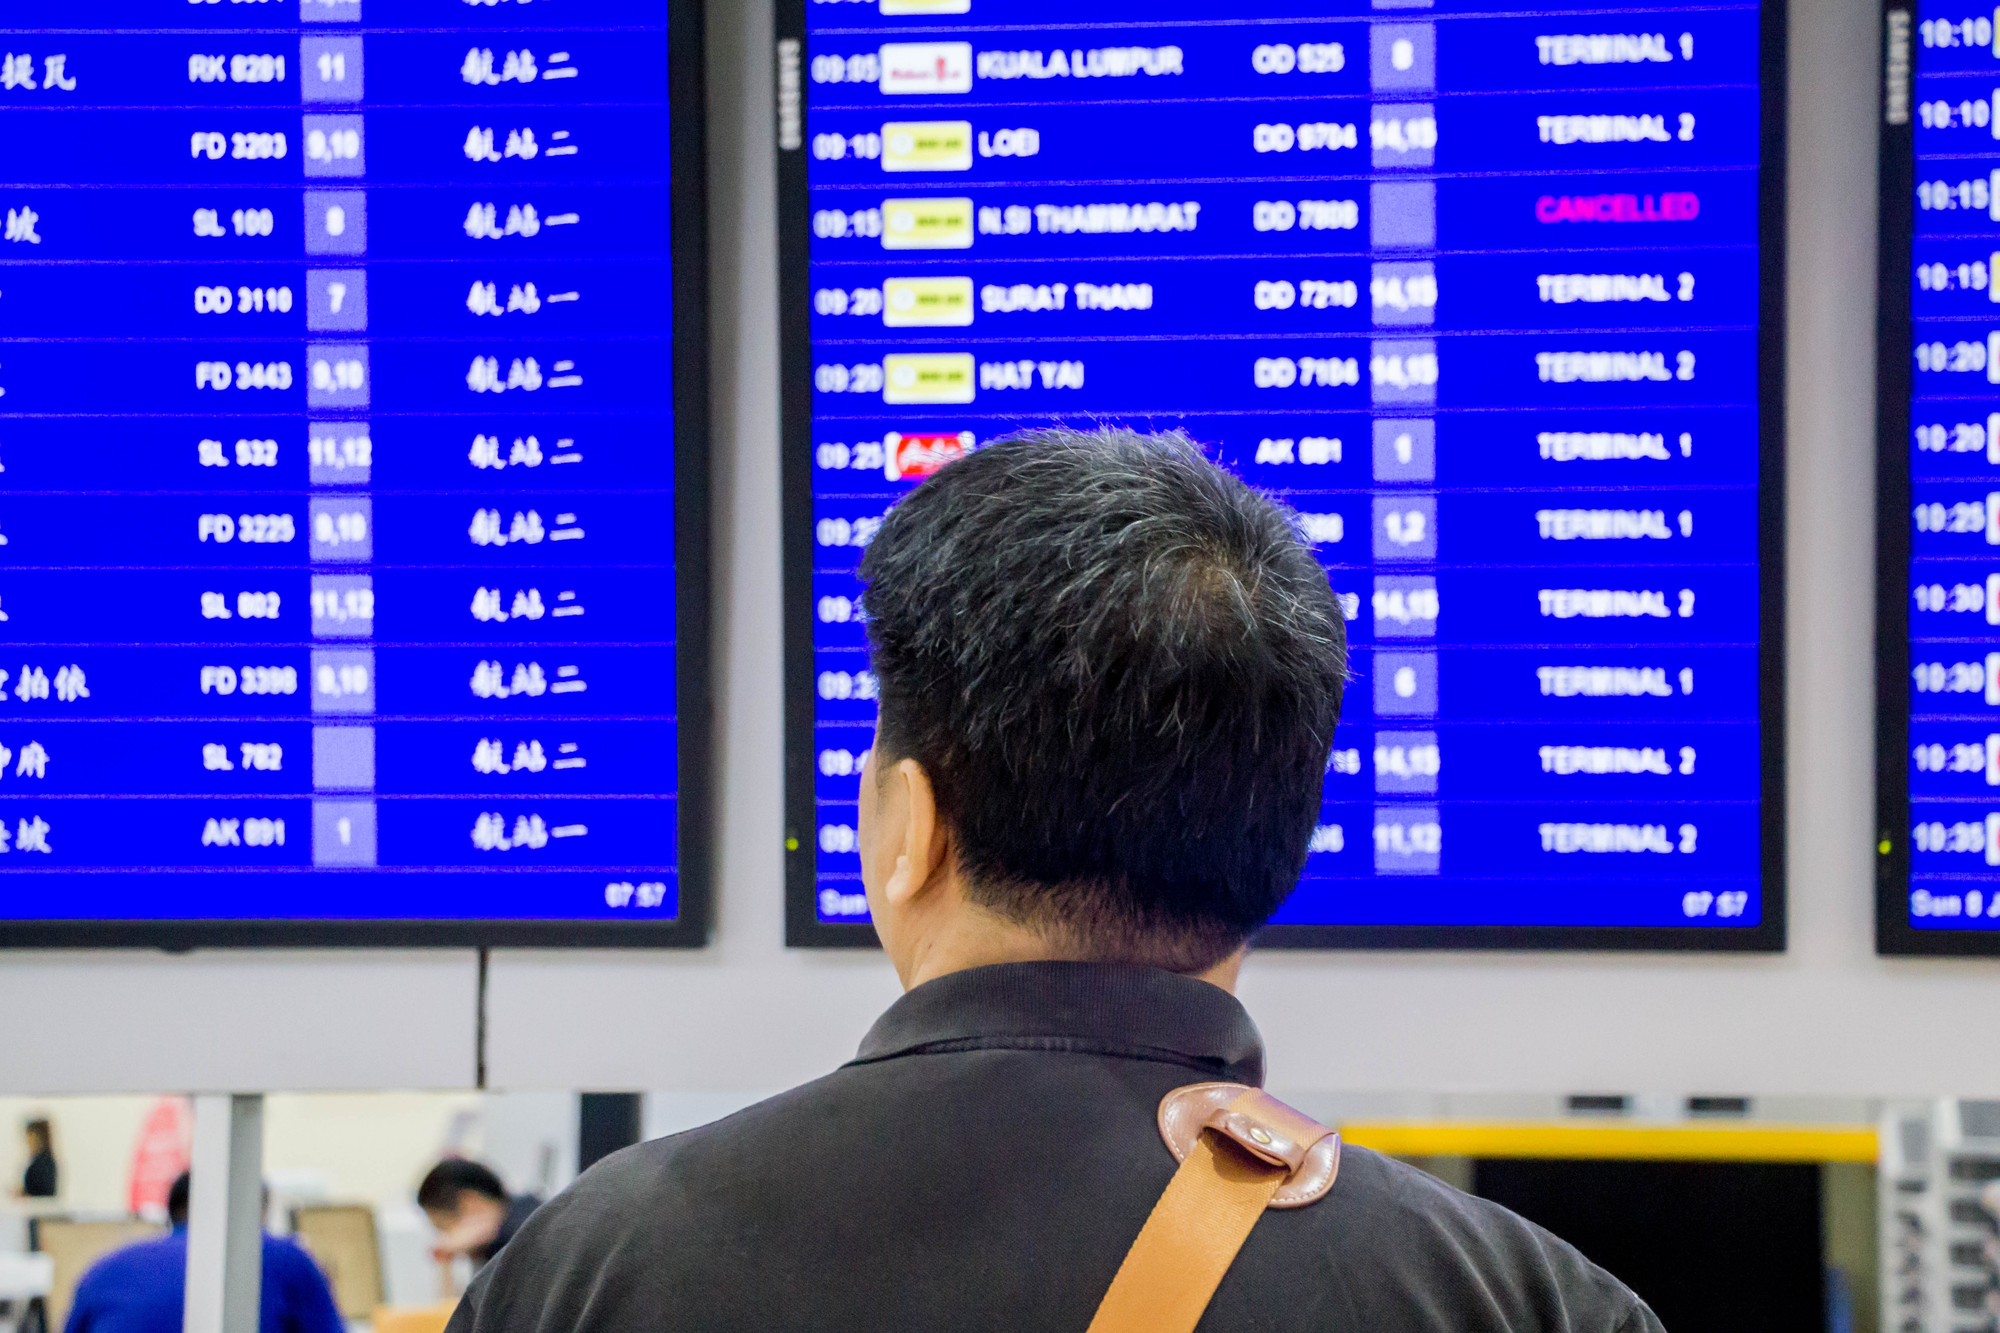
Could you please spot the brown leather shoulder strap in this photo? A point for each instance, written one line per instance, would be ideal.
(1241, 1151)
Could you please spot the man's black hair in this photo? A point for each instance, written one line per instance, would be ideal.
(1121, 669)
(453, 1177)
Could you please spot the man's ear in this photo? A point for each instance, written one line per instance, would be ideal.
(924, 848)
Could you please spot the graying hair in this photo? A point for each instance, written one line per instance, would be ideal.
(1121, 669)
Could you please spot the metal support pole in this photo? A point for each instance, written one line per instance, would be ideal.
(225, 1260)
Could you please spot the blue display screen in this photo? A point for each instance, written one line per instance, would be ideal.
(1480, 295)
(1944, 463)
(338, 464)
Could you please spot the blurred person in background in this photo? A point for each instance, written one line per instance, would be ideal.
(39, 1180)
(143, 1288)
(473, 1212)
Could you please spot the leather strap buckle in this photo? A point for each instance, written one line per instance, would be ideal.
(1260, 1125)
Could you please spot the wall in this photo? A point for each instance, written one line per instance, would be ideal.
(324, 1146)
(1826, 1019)
(94, 1139)
(131, 1021)
(373, 1147)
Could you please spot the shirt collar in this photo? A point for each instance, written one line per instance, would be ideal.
(1111, 1008)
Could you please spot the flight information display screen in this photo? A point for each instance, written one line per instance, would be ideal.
(1938, 570)
(1489, 298)
(352, 472)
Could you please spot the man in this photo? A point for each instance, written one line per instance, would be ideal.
(1109, 680)
(39, 1180)
(472, 1211)
(143, 1288)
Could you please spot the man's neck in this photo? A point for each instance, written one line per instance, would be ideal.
(976, 937)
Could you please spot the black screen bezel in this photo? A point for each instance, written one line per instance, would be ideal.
(802, 925)
(687, 98)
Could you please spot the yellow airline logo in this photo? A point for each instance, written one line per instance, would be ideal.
(927, 145)
(928, 377)
(926, 302)
(926, 224)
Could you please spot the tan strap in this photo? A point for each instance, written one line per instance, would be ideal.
(1211, 1204)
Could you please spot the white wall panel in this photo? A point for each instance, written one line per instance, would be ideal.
(139, 1021)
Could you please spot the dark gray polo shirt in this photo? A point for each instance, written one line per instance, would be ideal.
(984, 1163)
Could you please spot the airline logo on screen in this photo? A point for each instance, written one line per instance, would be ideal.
(926, 224)
(914, 457)
(927, 68)
(926, 302)
(927, 145)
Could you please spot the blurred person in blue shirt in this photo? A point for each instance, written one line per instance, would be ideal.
(141, 1288)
